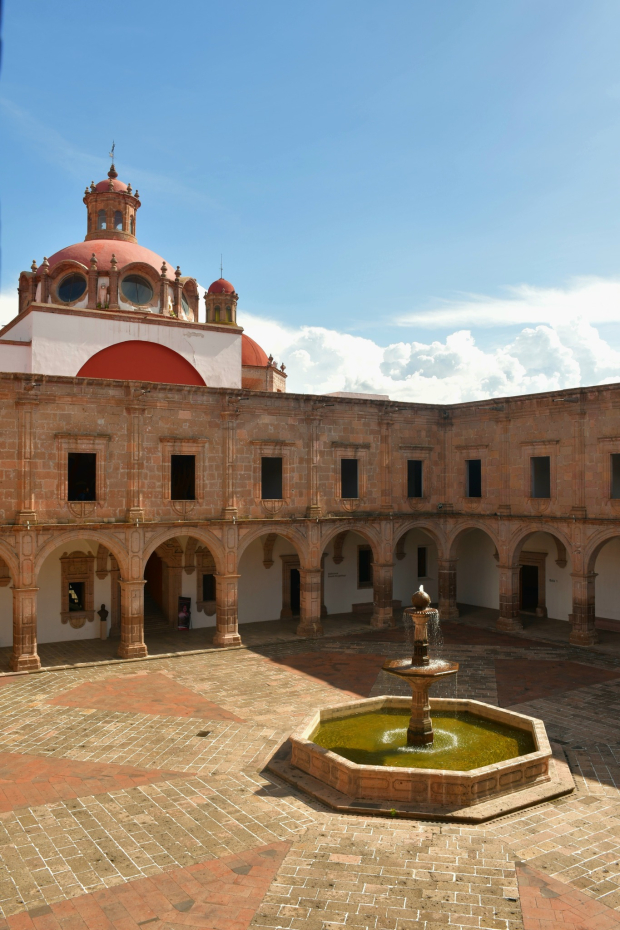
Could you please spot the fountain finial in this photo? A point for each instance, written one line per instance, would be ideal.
(421, 600)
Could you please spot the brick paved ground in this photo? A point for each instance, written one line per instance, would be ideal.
(135, 795)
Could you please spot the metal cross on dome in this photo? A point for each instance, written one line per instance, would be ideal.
(111, 152)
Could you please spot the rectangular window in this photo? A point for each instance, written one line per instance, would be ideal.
(364, 567)
(414, 478)
(540, 466)
(76, 595)
(271, 478)
(422, 552)
(349, 478)
(615, 475)
(82, 476)
(208, 587)
(183, 477)
(474, 477)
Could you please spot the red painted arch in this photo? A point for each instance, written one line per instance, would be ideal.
(136, 360)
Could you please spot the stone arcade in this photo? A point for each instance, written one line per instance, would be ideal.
(150, 451)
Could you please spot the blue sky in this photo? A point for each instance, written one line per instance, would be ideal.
(396, 173)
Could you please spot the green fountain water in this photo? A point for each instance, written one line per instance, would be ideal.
(462, 741)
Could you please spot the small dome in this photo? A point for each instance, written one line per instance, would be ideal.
(116, 185)
(251, 353)
(221, 286)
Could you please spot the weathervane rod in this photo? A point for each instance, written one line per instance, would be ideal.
(221, 267)
(111, 152)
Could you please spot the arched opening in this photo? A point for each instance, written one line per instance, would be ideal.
(180, 587)
(101, 220)
(270, 580)
(136, 360)
(607, 585)
(544, 579)
(132, 226)
(348, 572)
(415, 564)
(477, 577)
(118, 219)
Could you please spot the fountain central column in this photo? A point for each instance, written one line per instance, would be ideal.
(419, 671)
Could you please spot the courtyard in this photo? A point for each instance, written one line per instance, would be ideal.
(136, 794)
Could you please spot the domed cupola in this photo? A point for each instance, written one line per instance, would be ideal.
(221, 302)
(111, 208)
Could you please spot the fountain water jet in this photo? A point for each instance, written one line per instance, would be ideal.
(419, 672)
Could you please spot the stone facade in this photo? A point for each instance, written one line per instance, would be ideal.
(134, 429)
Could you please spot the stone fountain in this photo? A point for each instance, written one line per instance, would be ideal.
(419, 671)
(440, 758)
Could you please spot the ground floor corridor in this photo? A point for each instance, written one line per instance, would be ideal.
(135, 794)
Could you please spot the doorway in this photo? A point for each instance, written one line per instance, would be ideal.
(529, 587)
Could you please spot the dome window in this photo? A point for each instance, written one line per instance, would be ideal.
(217, 314)
(137, 289)
(229, 314)
(118, 220)
(132, 226)
(101, 221)
(185, 305)
(71, 288)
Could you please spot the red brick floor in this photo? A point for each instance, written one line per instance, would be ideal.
(521, 680)
(354, 673)
(547, 904)
(145, 693)
(27, 781)
(222, 894)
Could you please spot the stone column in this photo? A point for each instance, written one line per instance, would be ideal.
(229, 424)
(447, 589)
(579, 462)
(45, 282)
(25, 655)
(115, 597)
(134, 444)
(385, 426)
(176, 303)
(226, 619)
(33, 283)
(26, 436)
(314, 509)
(310, 602)
(92, 283)
(113, 292)
(163, 290)
(132, 644)
(583, 627)
(382, 614)
(509, 613)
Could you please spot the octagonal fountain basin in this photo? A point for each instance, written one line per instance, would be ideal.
(484, 760)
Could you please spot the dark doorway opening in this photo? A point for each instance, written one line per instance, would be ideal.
(529, 587)
(153, 575)
(208, 587)
(295, 592)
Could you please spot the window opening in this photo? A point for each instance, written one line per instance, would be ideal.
(185, 305)
(76, 595)
(541, 475)
(208, 587)
(183, 477)
(82, 476)
(137, 289)
(349, 478)
(271, 478)
(615, 475)
(71, 288)
(118, 219)
(414, 478)
(422, 562)
(474, 477)
(229, 314)
(132, 225)
(364, 567)
(217, 315)
(101, 220)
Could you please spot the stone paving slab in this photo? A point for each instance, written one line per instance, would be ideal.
(547, 904)
(527, 679)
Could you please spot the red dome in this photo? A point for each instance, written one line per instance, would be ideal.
(116, 185)
(252, 354)
(221, 286)
(137, 360)
(125, 252)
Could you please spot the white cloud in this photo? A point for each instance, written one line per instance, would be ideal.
(542, 358)
(594, 299)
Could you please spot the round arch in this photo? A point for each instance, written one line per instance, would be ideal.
(460, 531)
(372, 538)
(139, 360)
(423, 527)
(10, 557)
(206, 537)
(294, 537)
(519, 538)
(83, 532)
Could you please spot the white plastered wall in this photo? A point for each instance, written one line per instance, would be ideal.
(607, 582)
(341, 590)
(62, 343)
(477, 576)
(260, 588)
(49, 626)
(188, 589)
(406, 581)
(558, 592)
